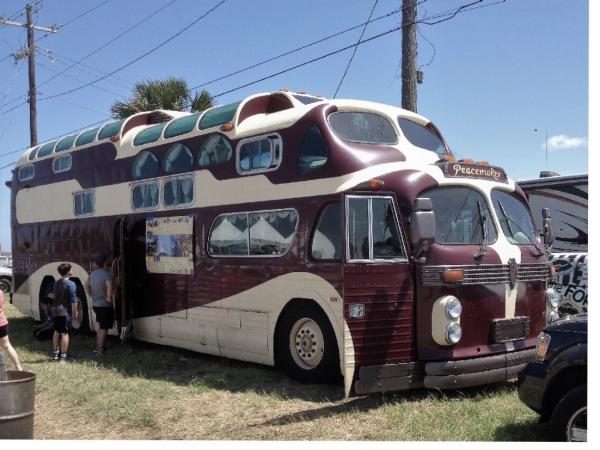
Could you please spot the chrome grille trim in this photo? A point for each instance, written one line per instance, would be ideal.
(486, 273)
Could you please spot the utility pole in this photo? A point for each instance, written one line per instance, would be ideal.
(409, 55)
(29, 53)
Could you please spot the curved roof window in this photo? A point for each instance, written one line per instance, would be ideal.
(65, 143)
(422, 136)
(150, 134)
(110, 129)
(363, 127)
(181, 126)
(218, 116)
(46, 149)
(178, 159)
(145, 165)
(32, 154)
(314, 151)
(216, 149)
(87, 136)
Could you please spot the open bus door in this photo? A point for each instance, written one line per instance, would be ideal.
(378, 291)
(123, 309)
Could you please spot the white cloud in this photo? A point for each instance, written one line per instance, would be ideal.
(564, 142)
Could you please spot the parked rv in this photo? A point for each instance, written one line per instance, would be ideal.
(327, 237)
(567, 199)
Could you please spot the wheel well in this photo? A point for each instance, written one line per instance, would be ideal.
(562, 383)
(306, 302)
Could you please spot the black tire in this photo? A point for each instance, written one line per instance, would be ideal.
(305, 343)
(570, 412)
(5, 285)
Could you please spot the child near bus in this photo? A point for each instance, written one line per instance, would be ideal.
(4, 342)
(45, 329)
(65, 292)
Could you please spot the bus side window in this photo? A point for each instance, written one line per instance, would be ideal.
(314, 151)
(84, 203)
(327, 238)
(259, 154)
(216, 149)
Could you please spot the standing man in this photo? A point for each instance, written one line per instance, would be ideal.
(65, 292)
(99, 287)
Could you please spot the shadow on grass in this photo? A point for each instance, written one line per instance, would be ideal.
(202, 372)
(530, 431)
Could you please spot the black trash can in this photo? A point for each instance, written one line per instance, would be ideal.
(17, 398)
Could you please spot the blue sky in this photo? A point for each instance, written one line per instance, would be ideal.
(491, 75)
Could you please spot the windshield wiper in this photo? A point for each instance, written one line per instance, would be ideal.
(509, 220)
(484, 234)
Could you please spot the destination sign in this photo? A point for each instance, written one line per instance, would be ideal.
(459, 169)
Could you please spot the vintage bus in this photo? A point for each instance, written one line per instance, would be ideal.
(331, 238)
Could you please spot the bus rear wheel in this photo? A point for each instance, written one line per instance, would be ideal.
(306, 345)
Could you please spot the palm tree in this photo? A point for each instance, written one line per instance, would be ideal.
(172, 93)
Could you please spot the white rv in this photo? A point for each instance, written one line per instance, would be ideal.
(567, 199)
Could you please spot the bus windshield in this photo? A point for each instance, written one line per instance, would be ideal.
(514, 218)
(461, 216)
(363, 127)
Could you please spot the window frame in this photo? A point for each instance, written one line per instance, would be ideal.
(158, 183)
(261, 137)
(371, 259)
(22, 179)
(247, 213)
(311, 170)
(164, 182)
(92, 192)
(65, 156)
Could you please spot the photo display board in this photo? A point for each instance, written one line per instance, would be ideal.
(170, 245)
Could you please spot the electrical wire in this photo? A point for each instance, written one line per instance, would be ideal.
(152, 50)
(303, 47)
(355, 49)
(70, 21)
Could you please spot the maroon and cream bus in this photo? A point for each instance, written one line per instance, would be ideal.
(328, 237)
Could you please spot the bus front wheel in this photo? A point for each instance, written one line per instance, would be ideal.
(306, 345)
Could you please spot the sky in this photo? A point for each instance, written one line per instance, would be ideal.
(498, 78)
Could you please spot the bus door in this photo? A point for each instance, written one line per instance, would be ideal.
(378, 282)
(121, 279)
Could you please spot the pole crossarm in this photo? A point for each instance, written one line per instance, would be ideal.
(5, 21)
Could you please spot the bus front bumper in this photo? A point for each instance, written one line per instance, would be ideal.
(477, 371)
(442, 375)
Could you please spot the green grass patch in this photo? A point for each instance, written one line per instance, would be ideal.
(144, 391)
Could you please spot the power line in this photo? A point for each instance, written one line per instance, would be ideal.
(295, 50)
(152, 50)
(83, 14)
(355, 49)
(449, 14)
(106, 44)
(70, 77)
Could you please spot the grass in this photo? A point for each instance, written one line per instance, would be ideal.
(143, 391)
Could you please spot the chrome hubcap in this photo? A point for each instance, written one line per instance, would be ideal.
(577, 426)
(306, 343)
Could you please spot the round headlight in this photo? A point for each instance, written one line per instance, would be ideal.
(453, 307)
(552, 317)
(552, 298)
(453, 333)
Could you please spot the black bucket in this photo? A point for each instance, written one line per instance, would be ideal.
(17, 397)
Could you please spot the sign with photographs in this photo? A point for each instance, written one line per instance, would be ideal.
(169, 245)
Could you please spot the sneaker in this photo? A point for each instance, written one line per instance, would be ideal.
(97, 353)
(55, 357)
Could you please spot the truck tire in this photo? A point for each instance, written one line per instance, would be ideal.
(306, 345)
(569, 418)
(5, 285)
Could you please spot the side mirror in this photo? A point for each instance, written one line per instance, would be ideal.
(547, 232)
(422, 222)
